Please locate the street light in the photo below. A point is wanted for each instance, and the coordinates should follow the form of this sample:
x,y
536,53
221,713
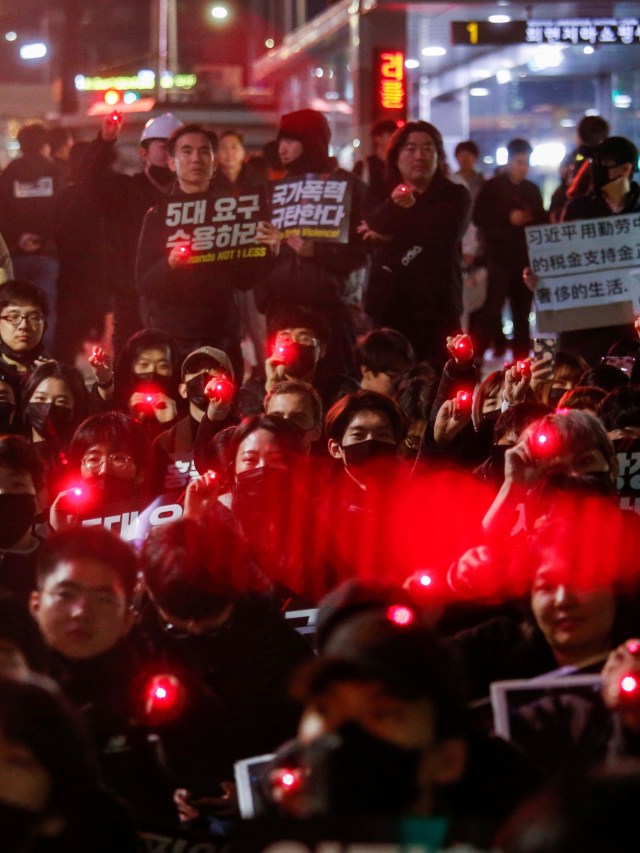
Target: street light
x,y
37,50
219,12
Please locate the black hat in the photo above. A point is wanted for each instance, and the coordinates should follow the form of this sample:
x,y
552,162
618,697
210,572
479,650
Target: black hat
x,y
619,149
310,128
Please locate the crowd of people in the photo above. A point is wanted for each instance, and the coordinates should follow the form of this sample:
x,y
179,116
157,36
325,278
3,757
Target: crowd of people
x,y
327,556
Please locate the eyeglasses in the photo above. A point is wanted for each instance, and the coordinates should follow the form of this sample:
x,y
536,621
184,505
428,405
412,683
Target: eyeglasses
x,y
118,461
285,339
33,319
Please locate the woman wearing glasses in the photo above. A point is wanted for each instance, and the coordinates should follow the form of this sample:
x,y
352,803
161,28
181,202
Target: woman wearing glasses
x,y
108,457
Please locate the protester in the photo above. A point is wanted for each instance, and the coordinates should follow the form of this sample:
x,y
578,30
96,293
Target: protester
x,y
24,310
415,285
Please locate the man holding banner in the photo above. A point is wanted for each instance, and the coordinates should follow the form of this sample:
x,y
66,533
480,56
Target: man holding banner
x,y
197,247
317,209
585,269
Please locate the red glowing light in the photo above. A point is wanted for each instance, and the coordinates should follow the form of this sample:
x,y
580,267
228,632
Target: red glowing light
x,y
220,389
164,698
633,647
77,492
161,693
425,580
399,614
629,684
288,779
542,439
149,398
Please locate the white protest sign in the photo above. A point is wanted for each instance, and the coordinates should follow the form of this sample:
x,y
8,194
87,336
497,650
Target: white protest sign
x,y
589,271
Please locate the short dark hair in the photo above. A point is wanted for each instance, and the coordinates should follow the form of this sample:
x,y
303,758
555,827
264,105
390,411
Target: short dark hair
x,y
620,408
57,137
23,292
518,146
387,125
298,317
467,145
18,454
399,139
385,349
172,141
346,408
303,389
286,433
193,571
582,397
604,376
115,430
235,133
517,418
70,376
592,130
93,543
32,138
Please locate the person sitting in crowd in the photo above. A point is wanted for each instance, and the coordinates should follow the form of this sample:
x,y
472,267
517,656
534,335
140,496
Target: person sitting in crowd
x,y
229,649
108,457
51,794
83,607
22,499
24,309
9,400
382,357
146,381
207,385
54,402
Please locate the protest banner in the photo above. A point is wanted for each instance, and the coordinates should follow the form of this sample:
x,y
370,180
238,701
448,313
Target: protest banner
x,y
312,206
589,272
210,229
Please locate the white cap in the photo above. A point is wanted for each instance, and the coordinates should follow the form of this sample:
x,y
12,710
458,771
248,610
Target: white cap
x,y
161,127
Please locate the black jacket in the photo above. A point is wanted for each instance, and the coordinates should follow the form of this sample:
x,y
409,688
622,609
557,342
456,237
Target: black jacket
x,y
506,243
418,273
27,199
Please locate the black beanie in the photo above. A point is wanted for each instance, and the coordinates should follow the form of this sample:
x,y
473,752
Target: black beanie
x,y
311,129
621,150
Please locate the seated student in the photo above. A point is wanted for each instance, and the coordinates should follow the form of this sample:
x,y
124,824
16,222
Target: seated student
x,y
173,450
83,607
415,394
295,400
108,457
51,796
365,432
22,498
24,309
576,573
298,339
146,380
54,402
384,733
381,357
228,646
268,498
9,400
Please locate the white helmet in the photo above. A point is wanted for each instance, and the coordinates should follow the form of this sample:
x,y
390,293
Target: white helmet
x,y
160,128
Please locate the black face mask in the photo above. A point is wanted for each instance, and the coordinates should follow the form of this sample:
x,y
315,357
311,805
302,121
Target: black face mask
x,y
109,489
259,495
17,513
301,360
150,377
48,420
195,390
600,174
359,764
371,459
161,175
18,827
7,411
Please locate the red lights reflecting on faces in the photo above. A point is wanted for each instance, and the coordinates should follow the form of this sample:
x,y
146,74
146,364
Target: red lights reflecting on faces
x,y
399,614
